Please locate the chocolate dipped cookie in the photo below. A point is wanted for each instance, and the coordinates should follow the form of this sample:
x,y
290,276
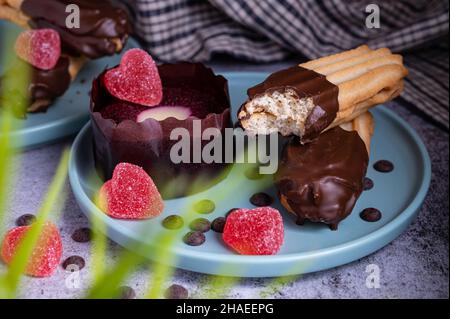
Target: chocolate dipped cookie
x,y
307,99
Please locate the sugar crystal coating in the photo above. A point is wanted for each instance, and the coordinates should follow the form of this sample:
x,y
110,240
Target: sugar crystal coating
x,y
136,79
41,48
45,256
130,194
257,231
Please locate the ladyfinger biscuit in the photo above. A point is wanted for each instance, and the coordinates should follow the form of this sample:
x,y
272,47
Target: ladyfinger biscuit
x,y
343,64
336,57
351,72
369,84
15,4
308,99
385,95
363,125
12,15
322,180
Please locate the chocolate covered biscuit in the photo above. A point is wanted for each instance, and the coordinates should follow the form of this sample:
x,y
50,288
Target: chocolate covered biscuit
x,y
103,28
44,86
308,99
322,180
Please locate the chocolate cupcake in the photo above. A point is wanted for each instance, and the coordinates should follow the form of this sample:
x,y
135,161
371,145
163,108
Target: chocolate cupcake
x,y
121,134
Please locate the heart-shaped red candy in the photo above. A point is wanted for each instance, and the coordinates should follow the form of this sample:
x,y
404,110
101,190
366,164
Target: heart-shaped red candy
x,y
257,231
45,256
136,79
130,194
41,48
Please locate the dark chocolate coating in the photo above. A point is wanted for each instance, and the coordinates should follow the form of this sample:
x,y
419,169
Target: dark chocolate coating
x,y
306,83
51,83
101,23
323,179
148,143
43,84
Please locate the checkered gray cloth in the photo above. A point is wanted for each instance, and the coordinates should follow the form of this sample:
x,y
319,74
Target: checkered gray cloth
x,y
270,30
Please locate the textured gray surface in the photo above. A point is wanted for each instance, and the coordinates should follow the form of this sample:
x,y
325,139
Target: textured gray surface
x,y
415,265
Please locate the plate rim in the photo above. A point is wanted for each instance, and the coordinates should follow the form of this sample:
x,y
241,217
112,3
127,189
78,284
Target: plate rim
x,y
393,227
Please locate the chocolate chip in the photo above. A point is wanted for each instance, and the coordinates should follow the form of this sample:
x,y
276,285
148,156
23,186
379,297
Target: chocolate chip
x,y
25,220
261,199
253,173
173,222
200,224
230,211
176,292
126,292
370,215
218,224
194,238
368,184
74,260
82,235
205,206
383,166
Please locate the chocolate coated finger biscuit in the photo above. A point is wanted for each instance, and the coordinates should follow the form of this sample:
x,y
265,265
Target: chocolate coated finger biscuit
x,y
312,97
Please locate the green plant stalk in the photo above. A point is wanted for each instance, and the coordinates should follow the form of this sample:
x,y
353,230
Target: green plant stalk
x,y
161,272
13,89
107,285
166,240
5,162
276,284
219,286
99,246
20,260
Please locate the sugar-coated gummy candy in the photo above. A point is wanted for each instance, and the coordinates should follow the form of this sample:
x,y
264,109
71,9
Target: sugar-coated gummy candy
x,y
41,48
45,256
136,79
256,231
130,194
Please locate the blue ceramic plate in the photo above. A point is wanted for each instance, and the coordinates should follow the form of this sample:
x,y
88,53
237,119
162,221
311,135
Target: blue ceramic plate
x,y
69,113
308,248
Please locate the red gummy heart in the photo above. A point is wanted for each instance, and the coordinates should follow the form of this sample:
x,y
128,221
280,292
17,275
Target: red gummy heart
x,y
46,255
136,79
130,194
257,231
41,48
